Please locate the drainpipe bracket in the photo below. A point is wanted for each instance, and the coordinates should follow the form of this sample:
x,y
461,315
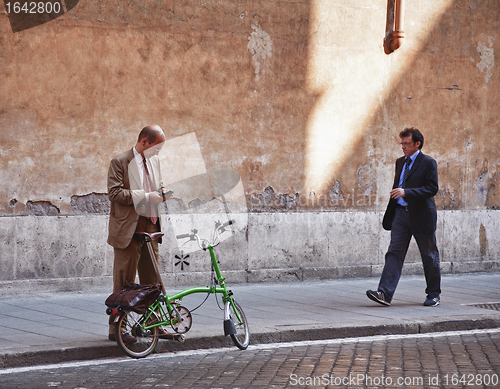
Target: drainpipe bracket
x,y
393,41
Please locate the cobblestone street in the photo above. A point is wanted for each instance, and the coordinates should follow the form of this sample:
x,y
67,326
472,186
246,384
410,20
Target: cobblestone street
x,y
446,360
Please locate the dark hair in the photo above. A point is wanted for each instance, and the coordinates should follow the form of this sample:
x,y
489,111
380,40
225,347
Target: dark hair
x,y
150,133
416,135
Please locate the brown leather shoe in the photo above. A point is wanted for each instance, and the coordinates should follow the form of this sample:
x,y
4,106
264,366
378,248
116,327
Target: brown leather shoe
x,y
163,334
126,337
167,335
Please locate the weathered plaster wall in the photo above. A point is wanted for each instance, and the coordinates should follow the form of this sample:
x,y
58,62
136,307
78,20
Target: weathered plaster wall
x,y
69,253
298,97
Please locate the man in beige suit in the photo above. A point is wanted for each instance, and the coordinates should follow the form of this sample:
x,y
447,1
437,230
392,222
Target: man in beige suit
x,y
134,183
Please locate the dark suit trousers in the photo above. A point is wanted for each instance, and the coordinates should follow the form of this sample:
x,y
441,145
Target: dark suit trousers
x,y
135,259
394,259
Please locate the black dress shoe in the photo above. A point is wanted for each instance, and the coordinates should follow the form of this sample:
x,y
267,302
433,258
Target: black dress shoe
x,y
431,302
378,297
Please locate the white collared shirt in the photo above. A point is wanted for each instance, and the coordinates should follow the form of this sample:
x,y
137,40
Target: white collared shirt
x,y
140,166
401,201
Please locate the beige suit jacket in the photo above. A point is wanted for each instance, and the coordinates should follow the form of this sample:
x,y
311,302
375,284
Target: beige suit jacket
x,y
125,190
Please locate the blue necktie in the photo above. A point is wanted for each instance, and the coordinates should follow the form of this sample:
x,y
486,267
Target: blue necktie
x,y
407,171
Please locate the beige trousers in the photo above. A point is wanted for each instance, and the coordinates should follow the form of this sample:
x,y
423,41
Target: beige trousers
x,y
134,259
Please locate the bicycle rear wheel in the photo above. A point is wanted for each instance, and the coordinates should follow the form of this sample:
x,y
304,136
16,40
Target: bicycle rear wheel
x,y
131,336
242,337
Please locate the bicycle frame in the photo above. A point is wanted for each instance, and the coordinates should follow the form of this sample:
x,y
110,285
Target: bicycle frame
x,y
144,329
174,300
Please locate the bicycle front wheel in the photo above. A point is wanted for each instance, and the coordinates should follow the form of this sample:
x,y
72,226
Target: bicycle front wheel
x,y
242,337
132,337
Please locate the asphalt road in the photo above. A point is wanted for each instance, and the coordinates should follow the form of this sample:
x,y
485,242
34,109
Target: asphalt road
x,y
467,359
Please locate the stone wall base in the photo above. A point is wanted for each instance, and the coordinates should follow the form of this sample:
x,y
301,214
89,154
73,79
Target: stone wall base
x,y
183,280
51,254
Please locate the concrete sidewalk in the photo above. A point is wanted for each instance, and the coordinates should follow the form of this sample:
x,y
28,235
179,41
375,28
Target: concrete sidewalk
x,y
60,327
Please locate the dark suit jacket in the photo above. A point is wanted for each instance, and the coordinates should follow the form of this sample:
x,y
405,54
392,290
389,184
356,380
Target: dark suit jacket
x,y
126,193
421,187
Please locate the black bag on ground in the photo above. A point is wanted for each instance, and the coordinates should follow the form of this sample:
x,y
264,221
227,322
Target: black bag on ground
x,y
134,297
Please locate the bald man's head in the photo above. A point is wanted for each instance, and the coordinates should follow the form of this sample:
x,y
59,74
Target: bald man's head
x,y
150,141
150,133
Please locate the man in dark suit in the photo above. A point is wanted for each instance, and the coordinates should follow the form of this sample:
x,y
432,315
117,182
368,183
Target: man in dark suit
x,y
411,212
134,182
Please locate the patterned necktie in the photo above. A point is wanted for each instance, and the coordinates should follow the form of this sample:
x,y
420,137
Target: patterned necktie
x,y
407,171
148,188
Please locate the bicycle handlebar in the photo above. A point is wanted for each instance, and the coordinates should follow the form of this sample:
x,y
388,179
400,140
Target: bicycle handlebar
x,y
228,223
219,228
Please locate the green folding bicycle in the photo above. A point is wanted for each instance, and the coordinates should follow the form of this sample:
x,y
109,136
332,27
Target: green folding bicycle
x,y
168,311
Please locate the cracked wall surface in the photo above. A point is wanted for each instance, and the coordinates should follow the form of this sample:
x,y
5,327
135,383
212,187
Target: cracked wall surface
x,y
76,91
298,98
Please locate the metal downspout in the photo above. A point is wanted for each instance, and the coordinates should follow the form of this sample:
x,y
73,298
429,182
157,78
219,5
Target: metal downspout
x,y
395,39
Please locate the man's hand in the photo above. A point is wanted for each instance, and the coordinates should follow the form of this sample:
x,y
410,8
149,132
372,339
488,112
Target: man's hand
x,y
396,193
155,198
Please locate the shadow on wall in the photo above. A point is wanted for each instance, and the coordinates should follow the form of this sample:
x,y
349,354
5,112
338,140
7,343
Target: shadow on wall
x,y
232,72
441,81
295,97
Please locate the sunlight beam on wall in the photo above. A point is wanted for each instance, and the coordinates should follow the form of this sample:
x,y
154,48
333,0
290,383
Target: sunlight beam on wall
x,y
352,76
